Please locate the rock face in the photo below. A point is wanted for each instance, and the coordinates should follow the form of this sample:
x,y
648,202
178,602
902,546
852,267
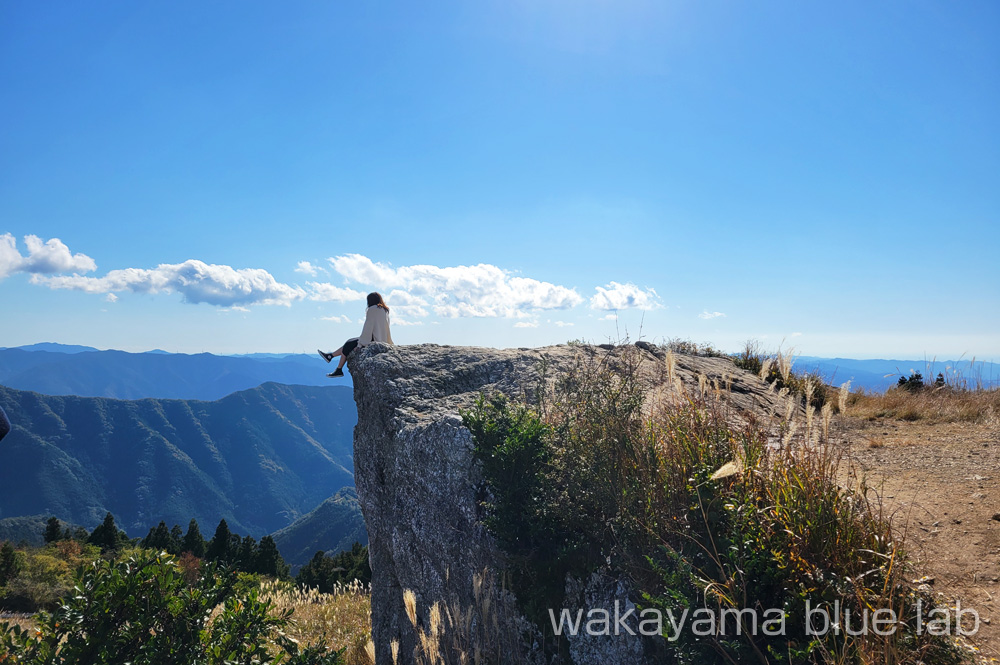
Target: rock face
x,y
417,478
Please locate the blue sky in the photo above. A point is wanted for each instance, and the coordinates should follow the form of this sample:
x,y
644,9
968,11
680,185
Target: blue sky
x,y
234,176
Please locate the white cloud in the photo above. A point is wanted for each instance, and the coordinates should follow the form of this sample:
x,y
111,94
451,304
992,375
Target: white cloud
x,y
396,321
308,268
326,292
526,324
111,297
711,315
562,324
196,281
796,334
44,257
624,296
336,319
609,317
10,258
407,304
481,290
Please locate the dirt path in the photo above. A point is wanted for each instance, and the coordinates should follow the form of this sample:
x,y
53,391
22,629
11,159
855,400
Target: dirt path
x,y
941,483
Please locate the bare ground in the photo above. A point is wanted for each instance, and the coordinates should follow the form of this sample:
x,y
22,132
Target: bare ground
x,y
941,484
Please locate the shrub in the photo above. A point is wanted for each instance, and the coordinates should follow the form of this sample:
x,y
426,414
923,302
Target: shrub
x,y
140,609
913,383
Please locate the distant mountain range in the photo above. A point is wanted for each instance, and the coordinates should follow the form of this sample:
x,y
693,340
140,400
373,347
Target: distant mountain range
x,y
260,458
55,369
878,375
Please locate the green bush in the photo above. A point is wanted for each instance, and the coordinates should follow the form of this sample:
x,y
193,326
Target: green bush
x,y
514,448
139,609
914,382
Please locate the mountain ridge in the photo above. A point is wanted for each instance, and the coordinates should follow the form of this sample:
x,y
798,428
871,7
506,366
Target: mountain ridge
x,y
260,458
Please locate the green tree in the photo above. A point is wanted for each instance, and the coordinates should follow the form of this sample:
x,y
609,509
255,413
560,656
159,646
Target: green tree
x,y
246,554
220,548
269,559
53,530
176,538
107,536
11,563
193,541
159,539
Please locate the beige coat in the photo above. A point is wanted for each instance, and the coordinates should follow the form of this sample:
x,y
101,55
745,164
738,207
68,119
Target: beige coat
x,y
376,327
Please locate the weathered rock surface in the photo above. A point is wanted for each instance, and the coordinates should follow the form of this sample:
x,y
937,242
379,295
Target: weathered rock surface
x,y
417,478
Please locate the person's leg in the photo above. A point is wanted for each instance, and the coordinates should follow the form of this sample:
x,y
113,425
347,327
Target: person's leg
x,y
330,356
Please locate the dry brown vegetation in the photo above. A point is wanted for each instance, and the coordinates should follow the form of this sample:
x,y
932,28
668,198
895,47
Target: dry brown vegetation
x,y
932,405
341,620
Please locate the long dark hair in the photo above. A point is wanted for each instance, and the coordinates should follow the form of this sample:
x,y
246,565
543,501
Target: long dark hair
x,y
375,298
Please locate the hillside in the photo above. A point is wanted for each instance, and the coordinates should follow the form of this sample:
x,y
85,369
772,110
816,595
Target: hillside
x,y
259,458
333,526
122,375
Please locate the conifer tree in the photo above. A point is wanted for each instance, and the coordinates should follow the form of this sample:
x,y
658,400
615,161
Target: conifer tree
x,y
269,559
53,530
193,541
220,547
10,564
246,558
158,539
176,538
106,535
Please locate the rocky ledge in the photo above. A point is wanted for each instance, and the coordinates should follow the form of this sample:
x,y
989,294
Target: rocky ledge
x,y
417,478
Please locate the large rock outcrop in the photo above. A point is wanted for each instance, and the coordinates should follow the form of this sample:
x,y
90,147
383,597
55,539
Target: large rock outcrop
x,y
417,478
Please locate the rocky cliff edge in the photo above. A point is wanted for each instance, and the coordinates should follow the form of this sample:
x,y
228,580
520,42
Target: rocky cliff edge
x,y
417,478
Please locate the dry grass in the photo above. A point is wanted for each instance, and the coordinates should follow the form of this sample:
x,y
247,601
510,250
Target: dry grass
x,y
484,634
26,621
932,405
341,620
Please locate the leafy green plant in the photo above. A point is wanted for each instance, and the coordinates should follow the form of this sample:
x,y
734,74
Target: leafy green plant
x,y
140,609
514,447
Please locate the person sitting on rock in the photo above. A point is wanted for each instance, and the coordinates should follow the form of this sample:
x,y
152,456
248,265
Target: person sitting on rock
x,y
376,329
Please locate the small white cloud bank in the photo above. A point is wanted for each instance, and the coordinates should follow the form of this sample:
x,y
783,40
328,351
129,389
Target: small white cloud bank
x,y
308,268
615,296
45,257
526,324
196,281
711,315
481,290
325,292
336,319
